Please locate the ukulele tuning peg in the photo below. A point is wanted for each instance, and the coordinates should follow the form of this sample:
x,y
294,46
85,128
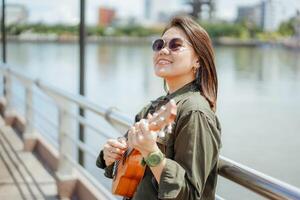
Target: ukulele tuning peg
x,y
161,134
169,128
163,108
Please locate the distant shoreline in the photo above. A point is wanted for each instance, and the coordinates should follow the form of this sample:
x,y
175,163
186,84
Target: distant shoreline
x,y
290,43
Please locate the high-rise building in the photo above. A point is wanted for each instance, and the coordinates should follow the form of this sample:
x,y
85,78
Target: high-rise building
x,y
160,10
106,16
263,15
148,9
268,15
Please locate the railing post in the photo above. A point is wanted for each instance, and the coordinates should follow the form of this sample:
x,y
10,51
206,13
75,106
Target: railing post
x,y
8,89
66,181
29,135
9,114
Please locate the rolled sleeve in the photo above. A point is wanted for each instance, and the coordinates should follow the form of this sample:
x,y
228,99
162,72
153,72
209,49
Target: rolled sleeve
x,y
196,150
171,180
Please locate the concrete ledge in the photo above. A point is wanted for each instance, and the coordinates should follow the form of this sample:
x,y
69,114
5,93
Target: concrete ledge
x,y
78,186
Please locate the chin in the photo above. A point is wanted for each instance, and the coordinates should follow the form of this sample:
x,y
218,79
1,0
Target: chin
x,y
162,71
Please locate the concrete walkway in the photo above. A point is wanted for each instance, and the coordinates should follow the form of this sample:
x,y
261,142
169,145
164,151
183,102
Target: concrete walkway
x,y
22,175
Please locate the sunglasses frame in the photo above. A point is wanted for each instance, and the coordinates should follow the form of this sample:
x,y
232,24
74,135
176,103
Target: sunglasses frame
x,y
167,43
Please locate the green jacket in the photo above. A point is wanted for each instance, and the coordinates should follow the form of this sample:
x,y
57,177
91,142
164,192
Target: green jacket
x,y
192,150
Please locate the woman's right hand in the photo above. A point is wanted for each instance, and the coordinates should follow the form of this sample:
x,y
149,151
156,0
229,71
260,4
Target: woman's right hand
x,y
113,150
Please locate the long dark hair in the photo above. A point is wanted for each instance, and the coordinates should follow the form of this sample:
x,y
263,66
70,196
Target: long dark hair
x,y
206,75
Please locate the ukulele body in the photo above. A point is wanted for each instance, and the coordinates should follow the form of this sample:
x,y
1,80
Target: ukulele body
x,y
128,175
129,171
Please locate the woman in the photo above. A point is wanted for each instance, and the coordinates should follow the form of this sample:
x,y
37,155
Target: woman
x,y
187,168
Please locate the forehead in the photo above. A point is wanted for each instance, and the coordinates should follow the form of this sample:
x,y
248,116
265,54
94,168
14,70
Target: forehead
x,y
174,32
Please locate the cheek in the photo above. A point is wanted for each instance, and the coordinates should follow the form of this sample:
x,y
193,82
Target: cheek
x,y
154,57
183,62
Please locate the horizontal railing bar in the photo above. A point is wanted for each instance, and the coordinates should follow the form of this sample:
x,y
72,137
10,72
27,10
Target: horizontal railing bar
x,y
44,118
16,101
256,181
101,188
40,114
18,106
25,79
45,133
82,146
111,115
48,136
83,121
219,198
108,113
38,94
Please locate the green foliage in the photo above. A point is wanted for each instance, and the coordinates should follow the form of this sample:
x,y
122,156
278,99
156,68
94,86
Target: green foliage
x,y
222,29
286,28
41,28
243,30
135,30
96,30
225,29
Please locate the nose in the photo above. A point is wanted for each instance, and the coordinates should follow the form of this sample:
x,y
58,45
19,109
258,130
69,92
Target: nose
x,y
164,51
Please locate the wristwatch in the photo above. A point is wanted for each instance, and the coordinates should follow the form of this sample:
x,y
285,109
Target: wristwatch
x,y
154,158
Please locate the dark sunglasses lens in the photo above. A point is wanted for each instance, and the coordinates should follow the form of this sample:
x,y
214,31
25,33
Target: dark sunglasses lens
x,y
158,45
175,44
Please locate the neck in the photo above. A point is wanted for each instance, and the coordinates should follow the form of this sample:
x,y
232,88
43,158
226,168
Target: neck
x,y
175,83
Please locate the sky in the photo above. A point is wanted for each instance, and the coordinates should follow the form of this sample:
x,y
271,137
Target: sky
x,y
67,11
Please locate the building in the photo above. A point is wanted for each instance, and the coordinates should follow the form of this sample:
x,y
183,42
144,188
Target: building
x,y
269,21
157,11
263,15
250,14
296,24
15,14
148,7
106,16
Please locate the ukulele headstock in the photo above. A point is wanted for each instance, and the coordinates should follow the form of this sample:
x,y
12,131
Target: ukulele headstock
x,y
163,117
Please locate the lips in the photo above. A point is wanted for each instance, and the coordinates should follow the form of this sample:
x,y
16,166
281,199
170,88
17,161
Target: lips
x,y
163,61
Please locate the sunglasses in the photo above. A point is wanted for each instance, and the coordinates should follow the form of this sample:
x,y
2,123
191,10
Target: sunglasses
x,y
174,44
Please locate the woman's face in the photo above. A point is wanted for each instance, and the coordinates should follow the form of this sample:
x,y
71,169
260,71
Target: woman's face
x,y
170,64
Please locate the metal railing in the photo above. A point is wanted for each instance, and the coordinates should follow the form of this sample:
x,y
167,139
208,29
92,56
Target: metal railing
x,y
257,182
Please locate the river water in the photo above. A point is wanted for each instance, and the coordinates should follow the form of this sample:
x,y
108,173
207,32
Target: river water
x,y
258,102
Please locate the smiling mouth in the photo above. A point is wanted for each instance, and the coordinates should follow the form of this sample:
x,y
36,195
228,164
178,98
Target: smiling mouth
x,y
163,62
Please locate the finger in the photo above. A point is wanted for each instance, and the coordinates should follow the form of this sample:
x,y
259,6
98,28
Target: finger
x,y
109,160
152,135
144,127
134,139
123,140
117,151
149,116
114,157
129,141
115,143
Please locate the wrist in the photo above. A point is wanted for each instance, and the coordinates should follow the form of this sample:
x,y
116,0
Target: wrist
x,y
153,159
145,153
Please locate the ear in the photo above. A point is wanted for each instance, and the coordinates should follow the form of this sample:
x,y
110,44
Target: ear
x,y
197,62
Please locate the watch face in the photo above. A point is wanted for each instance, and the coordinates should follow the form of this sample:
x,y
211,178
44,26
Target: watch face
x,y
154,159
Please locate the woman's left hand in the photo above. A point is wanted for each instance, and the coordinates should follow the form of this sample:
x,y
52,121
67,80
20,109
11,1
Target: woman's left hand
x,y
142,139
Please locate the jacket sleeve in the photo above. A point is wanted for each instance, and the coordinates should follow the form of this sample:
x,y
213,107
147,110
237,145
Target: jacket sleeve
x,y
100,162
196,151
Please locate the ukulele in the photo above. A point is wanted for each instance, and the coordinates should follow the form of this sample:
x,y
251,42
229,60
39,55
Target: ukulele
x,y
129,170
